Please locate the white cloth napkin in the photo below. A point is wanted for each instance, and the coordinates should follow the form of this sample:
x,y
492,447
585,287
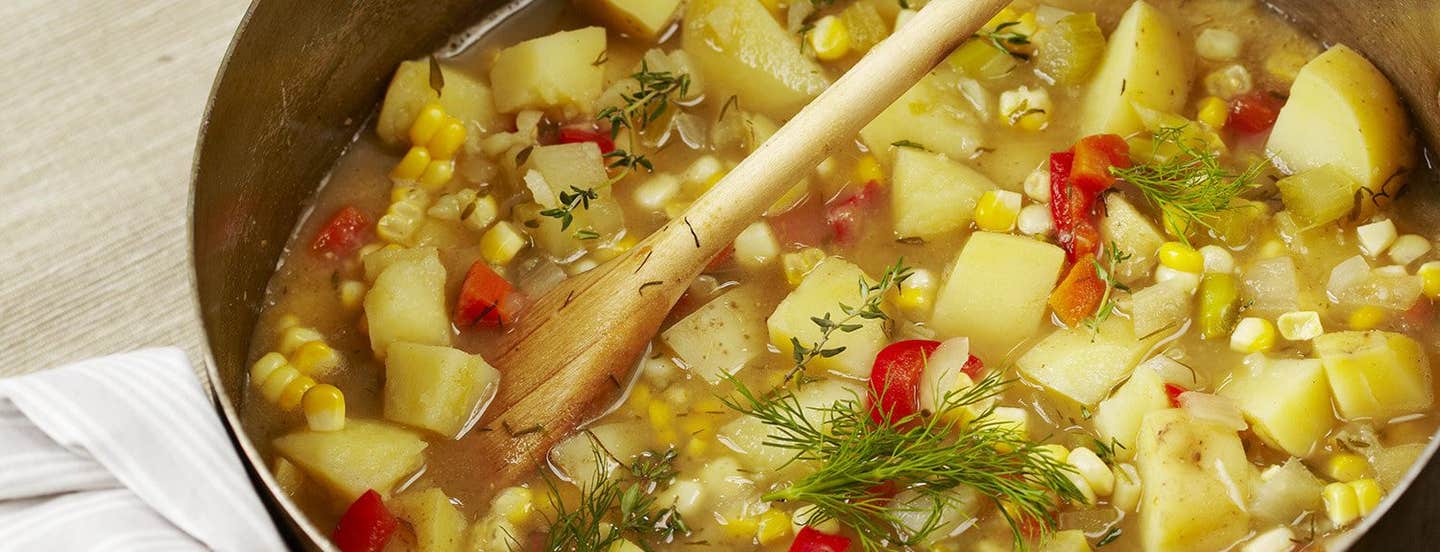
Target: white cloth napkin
x,y
122,453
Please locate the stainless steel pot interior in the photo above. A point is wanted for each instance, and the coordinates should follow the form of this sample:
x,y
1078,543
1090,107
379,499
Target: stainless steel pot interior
x,y
302,76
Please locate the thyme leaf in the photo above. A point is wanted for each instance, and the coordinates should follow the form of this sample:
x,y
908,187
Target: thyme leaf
x,y
871,298
1002,40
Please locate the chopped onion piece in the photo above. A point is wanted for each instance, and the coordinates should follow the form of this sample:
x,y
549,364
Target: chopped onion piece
x,y
1213,408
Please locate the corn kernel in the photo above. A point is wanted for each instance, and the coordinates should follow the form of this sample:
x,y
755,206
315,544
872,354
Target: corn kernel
x,y
1218,260
1016,418
1279,539
581,265
1272,249
501,243
1181,257
917,293
427,122
1376,237
800,263
743,527
997,210
437,174
1213,112
613,248
481,213
1020,104
657,192
277,382
1229,81
696,447
352,294
1408,248
660,414
515,503
702,173
1217,45
1034,220
1341,504
447,140
1253,335
404,216
1430,275
1346,467
315,358
293,337
266,365
1093,469
1188,281
756,246
1127,488
324,407
1300,325
867,169
1367,317
289,320
640,397
830,39
412,165
290,397
772,526
1367,494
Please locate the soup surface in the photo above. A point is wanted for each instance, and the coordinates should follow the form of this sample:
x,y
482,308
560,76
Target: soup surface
x,y
1131,276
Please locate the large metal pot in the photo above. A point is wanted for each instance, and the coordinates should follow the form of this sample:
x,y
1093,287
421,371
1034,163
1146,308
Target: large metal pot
x,y
302,76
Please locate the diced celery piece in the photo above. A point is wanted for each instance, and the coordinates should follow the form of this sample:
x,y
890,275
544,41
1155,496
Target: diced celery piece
x,y
1070,49
1318,196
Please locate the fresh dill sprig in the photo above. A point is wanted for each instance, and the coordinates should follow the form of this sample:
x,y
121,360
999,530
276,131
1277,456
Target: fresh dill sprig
x,y
658,91
1189,184
927,453
616,507
1114,256
871,298
1001,39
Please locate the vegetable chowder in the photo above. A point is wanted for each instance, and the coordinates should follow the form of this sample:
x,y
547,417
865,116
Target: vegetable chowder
x,y
1132,276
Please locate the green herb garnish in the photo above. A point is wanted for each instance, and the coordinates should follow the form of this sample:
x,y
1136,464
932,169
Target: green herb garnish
x,y
1114,256
1189,184
909,144
1002,39
872,295
1109,537
617,506
925,453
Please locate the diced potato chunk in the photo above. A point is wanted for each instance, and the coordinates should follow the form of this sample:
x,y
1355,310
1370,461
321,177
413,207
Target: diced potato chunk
x,y
1072,540
1197,483
1146,62
556,72
740,49
438,524
1081,364
576,457
720,337
437,388
1286,401
1375,374
407,303
578,165
1117,419
925,115
996,292
463,97
643,19
833,282
1131,232
1343,111
1162,306
365,455
746,435
932,194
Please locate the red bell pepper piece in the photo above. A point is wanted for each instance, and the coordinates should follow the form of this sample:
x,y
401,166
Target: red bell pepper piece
x,y
345,233
972,367
366,525
1254,112
811,540
802,226
486,299
1173,392
845,217
1079,294
574,134
1094,155
895,379
1070,209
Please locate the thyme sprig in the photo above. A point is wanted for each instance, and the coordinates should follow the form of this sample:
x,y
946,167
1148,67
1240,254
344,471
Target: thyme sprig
x,y
616,507
929,454
872,296
1190,184
1114,256
658,92
1001,39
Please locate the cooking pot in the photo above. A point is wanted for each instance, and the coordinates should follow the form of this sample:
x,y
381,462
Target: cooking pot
x,y
301,78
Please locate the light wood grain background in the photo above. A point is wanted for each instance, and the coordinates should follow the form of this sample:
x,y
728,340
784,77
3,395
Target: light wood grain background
x,y
100,102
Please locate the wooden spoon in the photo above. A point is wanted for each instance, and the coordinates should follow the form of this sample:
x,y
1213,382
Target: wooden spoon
x,y
565,358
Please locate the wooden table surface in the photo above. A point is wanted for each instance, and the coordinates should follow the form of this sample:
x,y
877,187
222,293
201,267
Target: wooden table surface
x,y
101,105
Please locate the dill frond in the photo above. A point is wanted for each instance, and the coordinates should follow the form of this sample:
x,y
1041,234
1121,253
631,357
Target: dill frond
x,y
616,506
1189,184
926,453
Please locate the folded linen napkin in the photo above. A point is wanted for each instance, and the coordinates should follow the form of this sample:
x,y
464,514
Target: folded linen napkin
x,y
122,453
